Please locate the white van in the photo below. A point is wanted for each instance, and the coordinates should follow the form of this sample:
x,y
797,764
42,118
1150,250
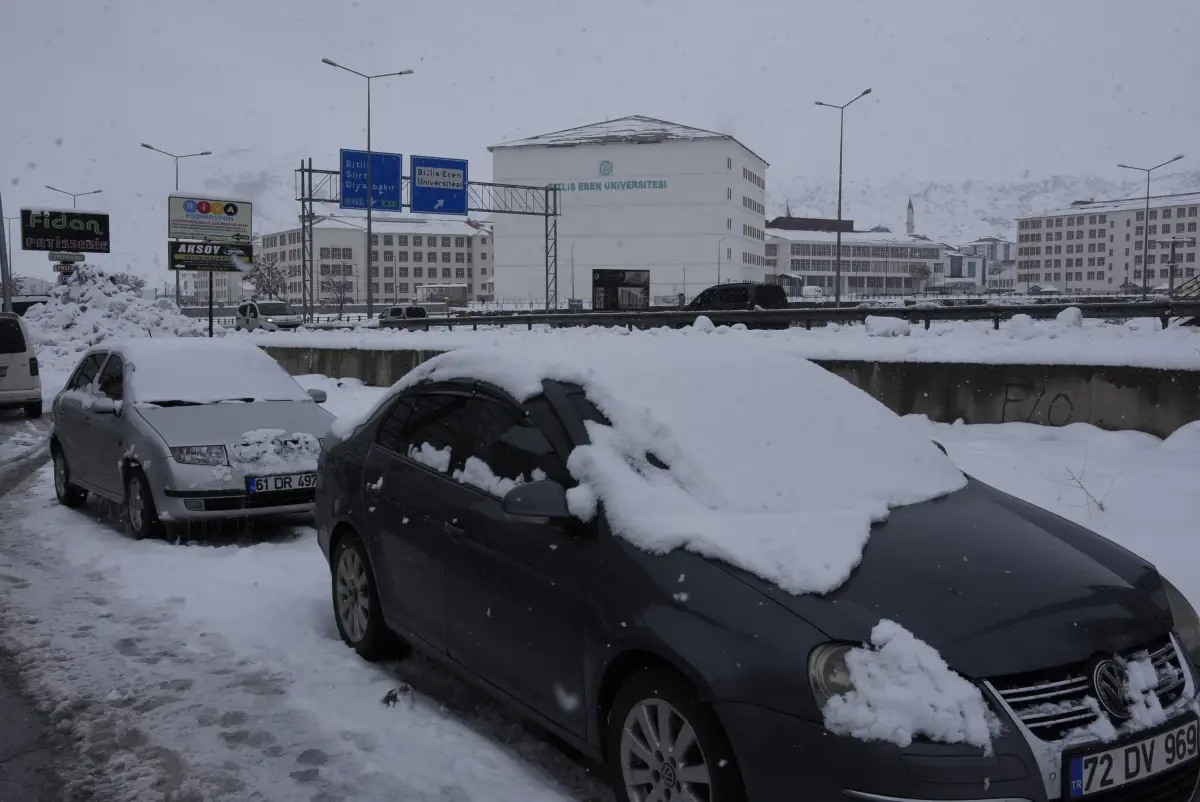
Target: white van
x,y
20,384
266,315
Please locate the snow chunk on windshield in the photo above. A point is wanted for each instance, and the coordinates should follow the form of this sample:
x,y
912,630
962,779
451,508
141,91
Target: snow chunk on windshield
x,y
203,371
730,445
903,689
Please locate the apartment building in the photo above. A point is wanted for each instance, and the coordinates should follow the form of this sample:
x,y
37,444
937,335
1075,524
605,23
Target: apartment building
x,y
412,260
1000,262
1109,246
873,263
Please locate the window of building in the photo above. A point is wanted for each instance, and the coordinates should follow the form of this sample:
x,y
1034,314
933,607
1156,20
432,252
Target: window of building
x,y
1166,214
324,253
445,256
402,272
460,242
388,271
431,257
374,240
388,256
389,288
418,256
418,271
445,242
460,257
402,256
460,272
402,288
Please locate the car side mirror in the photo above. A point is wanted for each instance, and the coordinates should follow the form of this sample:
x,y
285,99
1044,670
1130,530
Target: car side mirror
x,y
544,500
320,396
104,406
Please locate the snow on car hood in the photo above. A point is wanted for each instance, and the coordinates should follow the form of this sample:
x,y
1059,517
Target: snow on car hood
x,y
275,451
229,424
775,465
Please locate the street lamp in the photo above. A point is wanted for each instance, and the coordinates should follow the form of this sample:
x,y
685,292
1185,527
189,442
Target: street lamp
x,y
722,239
837,264
370,184
1146,222
75,195
8,223
177,158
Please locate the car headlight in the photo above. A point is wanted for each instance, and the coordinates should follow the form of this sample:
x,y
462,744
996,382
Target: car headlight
x,y
1187,623
828,673
200,455
270,320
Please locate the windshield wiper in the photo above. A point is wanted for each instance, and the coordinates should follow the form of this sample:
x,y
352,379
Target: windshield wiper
x,y
174,403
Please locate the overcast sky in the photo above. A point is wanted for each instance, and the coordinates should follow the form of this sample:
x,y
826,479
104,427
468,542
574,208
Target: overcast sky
x,y
962,89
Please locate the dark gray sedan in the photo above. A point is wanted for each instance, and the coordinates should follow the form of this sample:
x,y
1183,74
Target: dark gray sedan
x,y
445,520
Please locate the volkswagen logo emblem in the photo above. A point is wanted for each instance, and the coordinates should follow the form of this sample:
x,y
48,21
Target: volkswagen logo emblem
x,y
606,167
1108,682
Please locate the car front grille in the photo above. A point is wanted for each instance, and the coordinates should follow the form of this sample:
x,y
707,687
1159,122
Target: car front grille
x,y
1052,703
1175,785
283,498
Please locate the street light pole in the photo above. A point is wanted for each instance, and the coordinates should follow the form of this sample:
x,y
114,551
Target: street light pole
x,y
722,239
572,271
8,225
1146,222
837,263
370,181
177,158
75,195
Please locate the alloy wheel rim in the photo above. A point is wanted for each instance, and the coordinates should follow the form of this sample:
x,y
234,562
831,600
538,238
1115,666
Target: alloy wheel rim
x,y
60,478
661,760
135,504
353,601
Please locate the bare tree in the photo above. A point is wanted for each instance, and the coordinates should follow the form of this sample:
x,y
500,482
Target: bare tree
x,y
920,274
128,282
339,293
268,278
18,285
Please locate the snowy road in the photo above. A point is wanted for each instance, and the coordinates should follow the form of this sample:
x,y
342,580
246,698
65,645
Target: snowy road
x,y
22,446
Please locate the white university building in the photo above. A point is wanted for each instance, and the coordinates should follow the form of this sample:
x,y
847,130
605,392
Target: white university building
x,y
686,204
1104,246
415,260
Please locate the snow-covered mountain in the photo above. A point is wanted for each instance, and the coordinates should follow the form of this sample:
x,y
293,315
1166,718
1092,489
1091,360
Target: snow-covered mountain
x,y
958,213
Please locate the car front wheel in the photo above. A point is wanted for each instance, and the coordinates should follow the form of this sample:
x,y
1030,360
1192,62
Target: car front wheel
x,y
68,494
663,743
139,506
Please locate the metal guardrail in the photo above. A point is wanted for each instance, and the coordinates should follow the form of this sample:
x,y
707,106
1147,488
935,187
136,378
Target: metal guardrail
x,y
1164,310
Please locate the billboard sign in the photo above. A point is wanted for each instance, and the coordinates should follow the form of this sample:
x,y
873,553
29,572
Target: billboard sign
x,y
212,257
205,218
63,256
439,186
78,232
614,290
386,169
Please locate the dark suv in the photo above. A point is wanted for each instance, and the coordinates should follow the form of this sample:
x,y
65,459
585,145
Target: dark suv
x,y
745,295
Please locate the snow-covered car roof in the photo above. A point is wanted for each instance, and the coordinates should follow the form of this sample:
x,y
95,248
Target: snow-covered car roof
x,y
201,369
789,498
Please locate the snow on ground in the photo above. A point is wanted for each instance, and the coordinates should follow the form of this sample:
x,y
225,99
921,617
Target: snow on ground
x,y
19,436
1141,342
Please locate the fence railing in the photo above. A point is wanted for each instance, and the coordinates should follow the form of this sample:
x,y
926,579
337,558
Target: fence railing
x,y
1123,310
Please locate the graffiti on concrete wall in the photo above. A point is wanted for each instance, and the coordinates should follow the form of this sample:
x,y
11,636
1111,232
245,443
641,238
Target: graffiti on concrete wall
x,y
1029,403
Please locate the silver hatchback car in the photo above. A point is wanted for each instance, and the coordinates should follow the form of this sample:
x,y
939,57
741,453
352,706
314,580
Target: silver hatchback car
x,y
186,429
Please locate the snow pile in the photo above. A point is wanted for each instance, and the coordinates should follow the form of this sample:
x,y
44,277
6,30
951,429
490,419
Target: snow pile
x,y
1070,317
904,690
878,326
95,307
790,499
1141,680
276,451
474,472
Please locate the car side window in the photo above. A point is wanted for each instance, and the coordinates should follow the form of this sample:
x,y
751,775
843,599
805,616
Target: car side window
x,y
112,378
86,371
507,449
252,311
242,310
733,295
425,427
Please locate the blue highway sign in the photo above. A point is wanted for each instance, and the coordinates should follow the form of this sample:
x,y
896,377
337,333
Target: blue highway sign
x,y
438,186
386,171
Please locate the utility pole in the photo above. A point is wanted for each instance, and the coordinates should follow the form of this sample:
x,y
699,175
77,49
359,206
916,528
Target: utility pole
x,y
5,267
1146,221
177,158
837,264
721,240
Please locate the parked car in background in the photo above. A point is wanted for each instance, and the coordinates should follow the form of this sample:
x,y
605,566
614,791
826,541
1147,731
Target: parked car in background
x,y
186,429
267,316
393,314
662,604
20,379
743,295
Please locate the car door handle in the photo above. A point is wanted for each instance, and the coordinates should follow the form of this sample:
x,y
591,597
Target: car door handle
x,y
455,532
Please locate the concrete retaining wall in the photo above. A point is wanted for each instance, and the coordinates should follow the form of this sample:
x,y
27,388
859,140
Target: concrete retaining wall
x,y
1143,399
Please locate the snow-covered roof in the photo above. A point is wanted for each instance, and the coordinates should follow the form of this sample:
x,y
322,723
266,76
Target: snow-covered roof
x,y
739,487
1121,205
853,238
633,129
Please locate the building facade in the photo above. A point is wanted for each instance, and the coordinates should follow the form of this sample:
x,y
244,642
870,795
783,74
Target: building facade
x,y
413,261
1109,246
1000,262
873,263
685,204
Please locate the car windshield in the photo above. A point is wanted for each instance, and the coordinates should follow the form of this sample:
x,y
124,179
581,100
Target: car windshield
x,y
202,371
275,309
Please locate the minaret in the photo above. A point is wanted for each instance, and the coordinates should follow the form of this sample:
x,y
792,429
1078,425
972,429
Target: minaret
x,y
787,208
910,222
